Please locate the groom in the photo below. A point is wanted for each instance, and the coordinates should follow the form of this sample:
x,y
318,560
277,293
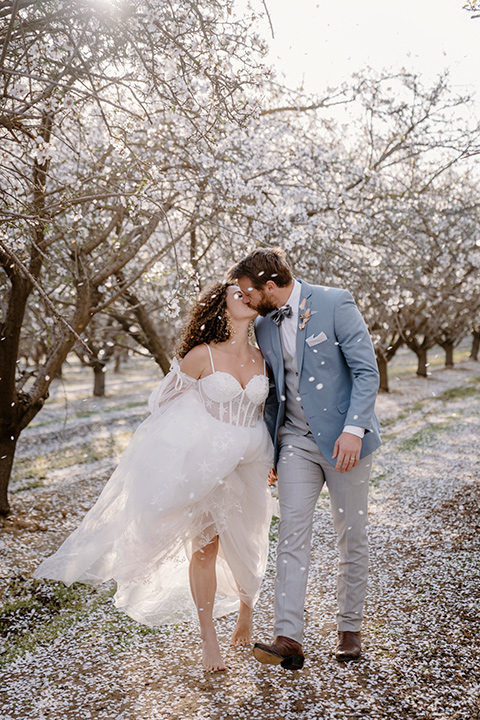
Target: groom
x,y
320,413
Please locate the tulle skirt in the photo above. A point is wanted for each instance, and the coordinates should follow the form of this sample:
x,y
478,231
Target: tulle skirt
x,y
184,478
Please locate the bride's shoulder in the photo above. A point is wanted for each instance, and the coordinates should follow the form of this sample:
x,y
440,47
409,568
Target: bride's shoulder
x,y
195,362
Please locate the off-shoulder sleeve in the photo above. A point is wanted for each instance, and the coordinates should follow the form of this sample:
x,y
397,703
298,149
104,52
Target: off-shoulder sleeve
x,y
174,384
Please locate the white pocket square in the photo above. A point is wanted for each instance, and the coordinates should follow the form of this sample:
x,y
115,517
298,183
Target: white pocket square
x,y
316,339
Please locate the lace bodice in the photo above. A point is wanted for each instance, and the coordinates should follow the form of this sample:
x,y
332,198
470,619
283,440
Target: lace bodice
x,y
221,394
228,401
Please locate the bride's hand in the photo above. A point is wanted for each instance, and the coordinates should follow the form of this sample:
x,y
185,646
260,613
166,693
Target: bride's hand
x,y
272,477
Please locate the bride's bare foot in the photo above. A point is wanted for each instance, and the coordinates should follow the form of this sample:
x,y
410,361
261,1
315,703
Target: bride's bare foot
x,y
211,656
242,634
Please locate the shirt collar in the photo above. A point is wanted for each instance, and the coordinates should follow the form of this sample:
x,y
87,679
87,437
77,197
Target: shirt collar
x,y
294,299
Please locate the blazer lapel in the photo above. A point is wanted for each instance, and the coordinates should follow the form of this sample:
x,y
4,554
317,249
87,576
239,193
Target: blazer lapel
x,y
268,337
278,354
305,301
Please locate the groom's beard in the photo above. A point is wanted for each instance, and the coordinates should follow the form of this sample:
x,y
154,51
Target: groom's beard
x,y
265,306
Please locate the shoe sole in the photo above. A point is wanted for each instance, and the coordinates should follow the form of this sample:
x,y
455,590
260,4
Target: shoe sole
x,y
291,662
350,658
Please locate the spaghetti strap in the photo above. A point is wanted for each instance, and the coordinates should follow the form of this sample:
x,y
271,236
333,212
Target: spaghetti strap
x,y
264,366
211,358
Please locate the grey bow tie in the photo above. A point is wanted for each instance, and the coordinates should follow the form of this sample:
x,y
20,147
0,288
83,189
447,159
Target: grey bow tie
x,y
280,313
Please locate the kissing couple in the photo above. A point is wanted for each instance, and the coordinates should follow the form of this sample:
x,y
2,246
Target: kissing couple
x,y
182,524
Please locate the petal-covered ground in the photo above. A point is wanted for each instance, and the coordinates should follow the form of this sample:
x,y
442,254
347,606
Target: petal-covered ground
x,y
68,654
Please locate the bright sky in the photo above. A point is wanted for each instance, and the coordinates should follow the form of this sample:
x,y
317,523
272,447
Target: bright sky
x,y
324,41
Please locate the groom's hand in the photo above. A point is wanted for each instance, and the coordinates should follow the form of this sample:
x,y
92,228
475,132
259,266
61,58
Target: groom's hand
x,y
272,477
347,451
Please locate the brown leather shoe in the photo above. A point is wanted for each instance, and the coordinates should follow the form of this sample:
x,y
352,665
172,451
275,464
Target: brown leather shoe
x,y
284,651
349,645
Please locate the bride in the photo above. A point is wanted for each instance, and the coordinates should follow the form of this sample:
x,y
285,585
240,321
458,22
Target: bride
x,y
182,524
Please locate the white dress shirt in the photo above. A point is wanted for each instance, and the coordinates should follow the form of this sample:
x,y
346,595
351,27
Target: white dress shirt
x,y
288,332
288,328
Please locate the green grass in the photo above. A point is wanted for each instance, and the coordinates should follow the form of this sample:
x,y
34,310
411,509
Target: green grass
x,y
469,389
29,485
405,363
273,534
120,406
461,392
376,479
406,413
36,612
421,437
31,470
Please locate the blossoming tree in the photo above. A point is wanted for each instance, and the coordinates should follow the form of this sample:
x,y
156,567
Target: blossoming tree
x,y
79,201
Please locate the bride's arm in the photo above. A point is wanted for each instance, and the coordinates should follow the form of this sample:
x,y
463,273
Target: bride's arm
x,y
182,376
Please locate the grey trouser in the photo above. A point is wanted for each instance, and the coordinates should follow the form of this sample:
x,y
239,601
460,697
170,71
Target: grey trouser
x,y
302,471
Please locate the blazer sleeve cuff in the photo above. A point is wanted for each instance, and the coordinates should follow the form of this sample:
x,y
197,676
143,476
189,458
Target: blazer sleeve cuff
x,y
354,430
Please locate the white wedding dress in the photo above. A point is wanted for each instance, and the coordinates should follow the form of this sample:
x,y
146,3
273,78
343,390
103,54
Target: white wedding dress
x,y
196,467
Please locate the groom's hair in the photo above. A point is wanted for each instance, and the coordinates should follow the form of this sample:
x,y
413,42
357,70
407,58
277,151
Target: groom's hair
x,y
261,265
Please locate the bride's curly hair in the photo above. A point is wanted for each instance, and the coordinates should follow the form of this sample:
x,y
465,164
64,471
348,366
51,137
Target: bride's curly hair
x,y
207,321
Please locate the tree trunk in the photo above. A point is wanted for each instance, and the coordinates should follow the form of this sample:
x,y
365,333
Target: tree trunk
x,y
17,410
448,347
118,363
98,378
10,411
475,345
383,370
150,338
421,354
121,357
7,453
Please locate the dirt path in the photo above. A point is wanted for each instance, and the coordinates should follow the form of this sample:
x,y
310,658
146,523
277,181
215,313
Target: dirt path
x,y
70,655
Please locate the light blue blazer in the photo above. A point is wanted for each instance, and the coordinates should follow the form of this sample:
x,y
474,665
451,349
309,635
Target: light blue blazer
x,y
337,369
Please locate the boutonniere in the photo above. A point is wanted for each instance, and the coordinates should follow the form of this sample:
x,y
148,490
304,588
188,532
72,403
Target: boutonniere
x,y
304,315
